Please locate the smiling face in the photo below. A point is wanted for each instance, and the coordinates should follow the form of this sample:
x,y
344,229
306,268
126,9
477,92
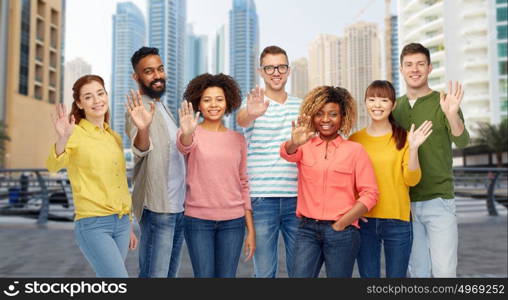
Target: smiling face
x,y
327,121
277,80
151,77
93,99
379,108
212,104
416,69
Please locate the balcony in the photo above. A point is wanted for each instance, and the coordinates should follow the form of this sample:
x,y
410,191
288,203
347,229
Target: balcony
x,y
475,63
416,34
474,29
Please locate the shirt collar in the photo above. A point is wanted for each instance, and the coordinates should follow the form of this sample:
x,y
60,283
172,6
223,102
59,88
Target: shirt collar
x,y
91,127
317,141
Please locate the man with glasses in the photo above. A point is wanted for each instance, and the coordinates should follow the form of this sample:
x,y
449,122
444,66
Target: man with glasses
x,y
266,116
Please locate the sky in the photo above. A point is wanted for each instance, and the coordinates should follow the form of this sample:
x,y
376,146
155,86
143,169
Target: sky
x,y
291,24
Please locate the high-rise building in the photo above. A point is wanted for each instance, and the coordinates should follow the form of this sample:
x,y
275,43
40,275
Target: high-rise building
x,y
196,55
220,51
74,69
167,22
500,23
391,47
461,37
32,77
129,34
4,39
244,47
324,61
300,77
362,64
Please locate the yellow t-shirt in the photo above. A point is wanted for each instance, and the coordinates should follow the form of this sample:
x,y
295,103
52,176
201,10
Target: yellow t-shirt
x,y
96,168
392,175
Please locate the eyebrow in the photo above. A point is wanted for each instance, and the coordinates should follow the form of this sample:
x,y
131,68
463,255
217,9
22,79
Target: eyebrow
x,y
151,68
90,93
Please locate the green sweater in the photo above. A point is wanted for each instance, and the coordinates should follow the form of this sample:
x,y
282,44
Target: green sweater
x,y
435,154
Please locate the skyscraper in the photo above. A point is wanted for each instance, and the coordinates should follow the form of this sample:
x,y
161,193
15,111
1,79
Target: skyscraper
x,y
74,69
129,34
461,37
167,22
244,47
324,61
196,55
220,59
31,35
362,63
391,47
300,77
500,23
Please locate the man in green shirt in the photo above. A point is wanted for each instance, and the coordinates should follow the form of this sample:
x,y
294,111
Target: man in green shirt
x,y
435,235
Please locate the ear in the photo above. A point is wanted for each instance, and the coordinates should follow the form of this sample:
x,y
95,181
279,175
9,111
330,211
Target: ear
x,y
78,105
430,68
258,70
135,76
394,105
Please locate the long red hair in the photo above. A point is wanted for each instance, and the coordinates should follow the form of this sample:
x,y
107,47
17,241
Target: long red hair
x,y
76,89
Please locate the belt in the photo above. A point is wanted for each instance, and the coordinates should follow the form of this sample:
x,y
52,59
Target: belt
x,y
318,221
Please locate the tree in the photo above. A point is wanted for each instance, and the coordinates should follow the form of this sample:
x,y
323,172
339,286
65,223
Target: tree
x,y
3,138
495,137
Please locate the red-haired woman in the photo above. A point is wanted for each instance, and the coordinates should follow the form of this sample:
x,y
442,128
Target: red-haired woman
x,y
93,155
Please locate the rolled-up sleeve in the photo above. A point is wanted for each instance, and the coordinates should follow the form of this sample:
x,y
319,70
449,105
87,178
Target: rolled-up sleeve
x,y
131,132
54,162
295,157
365,180
411,177
181,147
244,178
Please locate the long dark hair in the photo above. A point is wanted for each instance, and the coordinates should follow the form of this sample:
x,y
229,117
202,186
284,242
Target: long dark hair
x,y
76,92
384,89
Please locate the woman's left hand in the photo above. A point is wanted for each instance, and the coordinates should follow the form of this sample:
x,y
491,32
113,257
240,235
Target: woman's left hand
x,y
418,136
250,245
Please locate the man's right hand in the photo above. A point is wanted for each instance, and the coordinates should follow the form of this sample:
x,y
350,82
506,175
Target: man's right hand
x,y
256,103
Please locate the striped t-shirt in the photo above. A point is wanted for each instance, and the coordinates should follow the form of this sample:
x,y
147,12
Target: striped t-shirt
x,y
269,174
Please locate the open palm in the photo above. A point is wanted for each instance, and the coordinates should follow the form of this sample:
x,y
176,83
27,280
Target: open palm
x,y
64,126
301,131
188,121
418,136
137,111
450,103
256,104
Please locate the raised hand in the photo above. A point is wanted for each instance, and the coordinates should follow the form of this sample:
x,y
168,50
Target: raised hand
x,y
418,136
188,121
64,126
450,102
301,131
139,115
256,103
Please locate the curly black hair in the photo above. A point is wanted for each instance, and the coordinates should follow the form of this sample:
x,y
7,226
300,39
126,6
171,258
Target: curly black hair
x,y
141,53
199,84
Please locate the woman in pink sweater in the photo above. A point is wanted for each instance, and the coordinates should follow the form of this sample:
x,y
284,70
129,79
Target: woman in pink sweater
x,y
217,203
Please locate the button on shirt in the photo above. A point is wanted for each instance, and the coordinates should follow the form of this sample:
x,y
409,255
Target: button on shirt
x,y
96,168
331,179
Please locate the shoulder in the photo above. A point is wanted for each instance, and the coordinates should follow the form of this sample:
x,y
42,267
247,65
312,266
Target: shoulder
x,y
355,137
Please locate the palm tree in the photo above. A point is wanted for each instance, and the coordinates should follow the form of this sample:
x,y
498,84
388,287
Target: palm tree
x,y
495,137
3,137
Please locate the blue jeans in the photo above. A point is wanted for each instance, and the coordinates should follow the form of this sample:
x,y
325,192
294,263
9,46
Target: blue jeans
x,y
435,242
317,242
396,236
104,241
272,215
214,246
160,244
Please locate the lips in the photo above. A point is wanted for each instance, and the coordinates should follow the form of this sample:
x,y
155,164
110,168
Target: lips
x,y
214,112
98,107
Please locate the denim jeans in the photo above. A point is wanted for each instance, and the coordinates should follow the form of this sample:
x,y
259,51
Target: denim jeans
x,y
317,242
396,236
435,241
271,216
160,244
104,241
214,246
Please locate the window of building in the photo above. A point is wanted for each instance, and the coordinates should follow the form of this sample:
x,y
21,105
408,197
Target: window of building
x,y
503,67
502,14
24,48
501,1
501,49
502,32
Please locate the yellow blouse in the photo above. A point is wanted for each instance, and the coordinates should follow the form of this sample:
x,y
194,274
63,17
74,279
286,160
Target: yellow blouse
x,y
96,168
392,174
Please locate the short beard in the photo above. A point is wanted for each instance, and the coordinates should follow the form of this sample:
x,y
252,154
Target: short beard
x,y
147,90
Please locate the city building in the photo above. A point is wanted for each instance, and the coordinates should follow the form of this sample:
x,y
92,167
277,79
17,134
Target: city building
x,y
324,61
74,69
391,47
220,51
31,33
299,77
167,20
243,48
129,34
498,57
196,55
462,37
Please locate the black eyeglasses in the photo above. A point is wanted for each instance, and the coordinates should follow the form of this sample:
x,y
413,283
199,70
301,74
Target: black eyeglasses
x,y
283,69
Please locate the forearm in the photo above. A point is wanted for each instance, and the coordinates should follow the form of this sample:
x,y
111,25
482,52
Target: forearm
x,y
456,124
249,222
186,139
291,147
60,145
413,163
243,119
356,212
142,140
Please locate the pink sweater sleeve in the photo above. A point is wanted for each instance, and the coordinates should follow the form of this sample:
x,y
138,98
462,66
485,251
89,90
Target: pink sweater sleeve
x,y
181,147
365,178
244,178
